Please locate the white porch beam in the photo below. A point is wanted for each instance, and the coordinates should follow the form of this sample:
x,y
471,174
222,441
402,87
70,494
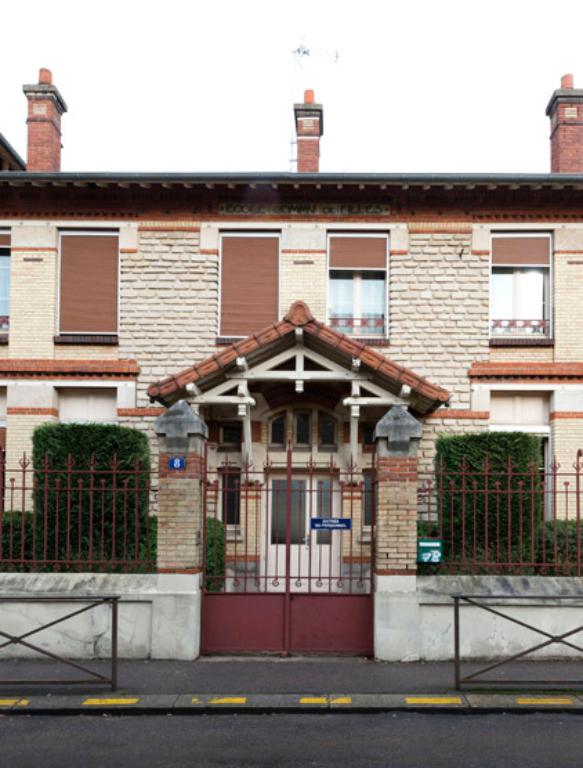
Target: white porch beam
x,y
247,446
210,399
294,375
354,416
368,401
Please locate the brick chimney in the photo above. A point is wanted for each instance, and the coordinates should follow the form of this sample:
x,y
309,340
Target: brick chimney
x,y
566,112
309,127
45,107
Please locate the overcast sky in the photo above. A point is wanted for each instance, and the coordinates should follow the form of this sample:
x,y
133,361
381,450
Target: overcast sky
x,y
208,85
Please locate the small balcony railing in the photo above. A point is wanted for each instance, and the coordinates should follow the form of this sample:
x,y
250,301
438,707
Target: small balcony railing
x,y
538,328
359,326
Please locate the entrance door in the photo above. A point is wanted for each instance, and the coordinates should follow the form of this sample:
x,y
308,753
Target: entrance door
x,y
273,584
313,558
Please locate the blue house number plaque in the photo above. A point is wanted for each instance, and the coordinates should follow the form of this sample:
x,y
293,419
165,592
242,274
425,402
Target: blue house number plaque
x,y
177,463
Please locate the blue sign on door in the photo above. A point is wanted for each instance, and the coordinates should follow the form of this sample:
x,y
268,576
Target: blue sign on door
x,y
177,462
330,523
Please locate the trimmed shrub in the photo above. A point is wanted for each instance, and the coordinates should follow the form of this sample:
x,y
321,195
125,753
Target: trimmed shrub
x,y
489,491
91,494
16,541
215,555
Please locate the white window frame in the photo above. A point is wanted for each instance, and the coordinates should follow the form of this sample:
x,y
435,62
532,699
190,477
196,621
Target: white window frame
x,y
246,233
357,279
523,267
8,232
88,233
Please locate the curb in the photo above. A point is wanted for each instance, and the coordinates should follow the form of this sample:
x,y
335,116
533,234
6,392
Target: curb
x,y
207,704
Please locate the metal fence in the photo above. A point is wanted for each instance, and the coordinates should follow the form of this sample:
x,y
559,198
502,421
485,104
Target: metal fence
x,y
505,521
76,517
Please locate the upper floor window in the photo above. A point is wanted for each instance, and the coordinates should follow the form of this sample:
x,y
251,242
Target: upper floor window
x,y
249,283
88,296
358,284
4,281
520,286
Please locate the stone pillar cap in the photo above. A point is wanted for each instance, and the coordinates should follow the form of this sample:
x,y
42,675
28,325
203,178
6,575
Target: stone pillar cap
x,y
180,422
399,428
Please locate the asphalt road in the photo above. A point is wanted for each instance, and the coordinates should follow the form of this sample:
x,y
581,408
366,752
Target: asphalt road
x,y
281,741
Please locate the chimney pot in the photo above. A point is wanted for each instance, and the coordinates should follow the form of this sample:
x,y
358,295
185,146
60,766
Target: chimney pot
x,y
309,129
45,76
565,110
567,82
45,107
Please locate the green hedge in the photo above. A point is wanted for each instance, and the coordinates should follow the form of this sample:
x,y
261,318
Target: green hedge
x,y
215,555
107,525
489,485
18,547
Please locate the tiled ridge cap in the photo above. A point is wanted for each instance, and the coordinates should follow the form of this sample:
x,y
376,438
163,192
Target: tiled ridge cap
x,y
532,369
298,316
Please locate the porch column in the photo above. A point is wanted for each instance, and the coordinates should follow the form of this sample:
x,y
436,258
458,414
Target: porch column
x,y
397,437
182,436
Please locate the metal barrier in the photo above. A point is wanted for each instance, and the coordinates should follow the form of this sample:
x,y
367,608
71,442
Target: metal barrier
x,y
94,601
551,639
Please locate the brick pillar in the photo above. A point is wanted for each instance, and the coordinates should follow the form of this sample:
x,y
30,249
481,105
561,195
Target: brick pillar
x,y
396,616
182,435
397,438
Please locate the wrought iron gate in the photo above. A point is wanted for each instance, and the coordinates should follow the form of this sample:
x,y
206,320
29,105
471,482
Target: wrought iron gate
x,y
288,558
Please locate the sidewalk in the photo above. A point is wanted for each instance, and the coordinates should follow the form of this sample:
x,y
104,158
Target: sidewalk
x,y
294,684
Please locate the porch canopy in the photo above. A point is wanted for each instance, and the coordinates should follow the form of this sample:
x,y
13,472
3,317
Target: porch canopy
x,y
300,357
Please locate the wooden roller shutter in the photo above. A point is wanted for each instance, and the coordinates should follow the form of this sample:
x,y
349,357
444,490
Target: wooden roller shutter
x,y
358,252
521,251
89,265
4,240
249,284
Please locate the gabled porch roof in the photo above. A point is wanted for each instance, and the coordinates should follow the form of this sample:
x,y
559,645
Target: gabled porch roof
x,y
336,347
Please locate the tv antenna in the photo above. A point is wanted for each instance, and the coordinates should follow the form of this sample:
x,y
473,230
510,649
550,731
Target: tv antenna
x,y
300,53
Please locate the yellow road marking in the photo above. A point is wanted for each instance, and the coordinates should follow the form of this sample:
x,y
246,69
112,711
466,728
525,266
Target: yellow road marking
x,y
314,700
14,702
341,700
195,700
229,700
108,702
557,700
433,700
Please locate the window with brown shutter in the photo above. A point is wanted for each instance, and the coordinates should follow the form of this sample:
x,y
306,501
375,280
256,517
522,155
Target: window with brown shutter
x,y
249,283
89,283
357,292
520,295
358,252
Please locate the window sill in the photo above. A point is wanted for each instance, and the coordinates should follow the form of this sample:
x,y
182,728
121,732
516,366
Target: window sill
x,y
370,341
98,339
517,341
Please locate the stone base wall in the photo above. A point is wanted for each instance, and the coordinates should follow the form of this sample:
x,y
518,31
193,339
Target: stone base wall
x,y
159,615
414,617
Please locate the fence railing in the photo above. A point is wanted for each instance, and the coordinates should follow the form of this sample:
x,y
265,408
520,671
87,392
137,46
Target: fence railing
x,y
505,521
76,517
